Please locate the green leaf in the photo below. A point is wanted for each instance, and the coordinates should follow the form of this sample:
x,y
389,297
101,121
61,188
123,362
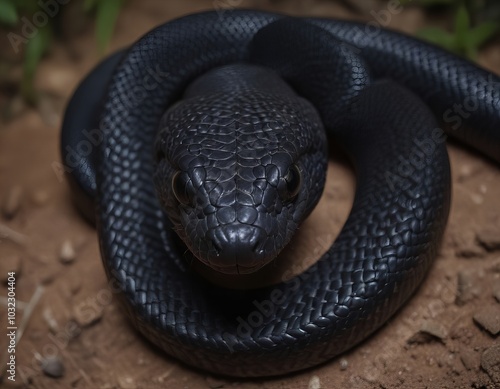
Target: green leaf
x,y
27,6
482,33
8,13
462,26
107,13
35,48
438,36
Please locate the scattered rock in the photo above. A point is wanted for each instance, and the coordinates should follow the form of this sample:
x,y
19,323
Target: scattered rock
x,y
430,331
126,383
490,362
470,251
314,383
435,329
53,367
464,172
470,359
10,264
489,237
215,383
468,288
12,202
344,364
67,253
489,319
466,246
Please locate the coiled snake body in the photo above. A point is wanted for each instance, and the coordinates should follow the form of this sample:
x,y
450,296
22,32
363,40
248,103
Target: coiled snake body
x,y
224,134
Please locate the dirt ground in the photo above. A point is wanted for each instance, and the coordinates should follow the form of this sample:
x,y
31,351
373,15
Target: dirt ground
x,y
445,337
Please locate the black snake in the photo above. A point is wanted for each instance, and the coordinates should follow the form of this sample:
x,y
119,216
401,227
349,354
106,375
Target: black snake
x,y
218,120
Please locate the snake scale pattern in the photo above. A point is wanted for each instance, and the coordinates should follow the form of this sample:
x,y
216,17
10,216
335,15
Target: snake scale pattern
x,y
226,150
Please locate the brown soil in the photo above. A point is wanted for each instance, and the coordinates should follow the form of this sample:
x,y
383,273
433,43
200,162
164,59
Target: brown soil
x,y
445,337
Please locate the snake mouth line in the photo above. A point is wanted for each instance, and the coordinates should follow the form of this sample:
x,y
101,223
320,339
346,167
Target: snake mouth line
x,y
235,269
237,249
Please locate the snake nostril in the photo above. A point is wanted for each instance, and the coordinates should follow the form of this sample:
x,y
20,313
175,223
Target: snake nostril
x,y
257,247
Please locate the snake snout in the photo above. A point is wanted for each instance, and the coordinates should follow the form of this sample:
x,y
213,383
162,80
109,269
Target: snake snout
x,y
238,249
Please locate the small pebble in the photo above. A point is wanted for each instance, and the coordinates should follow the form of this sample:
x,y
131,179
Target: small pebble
x,y
470,359
67,253
464,172
126,383
489,319
465,245
314,383
490,362
489,237
477,198
12,202
434,329
470,251
429,331
53,367
468,288
344,364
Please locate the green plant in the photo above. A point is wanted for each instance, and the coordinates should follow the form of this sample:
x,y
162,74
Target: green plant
x,y
35,45
106,15
474,23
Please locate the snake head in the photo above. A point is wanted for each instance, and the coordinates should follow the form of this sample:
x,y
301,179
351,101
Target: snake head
x,y
237,171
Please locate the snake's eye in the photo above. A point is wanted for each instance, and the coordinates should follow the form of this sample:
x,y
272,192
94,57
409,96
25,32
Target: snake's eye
x,y
180,182
293,181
